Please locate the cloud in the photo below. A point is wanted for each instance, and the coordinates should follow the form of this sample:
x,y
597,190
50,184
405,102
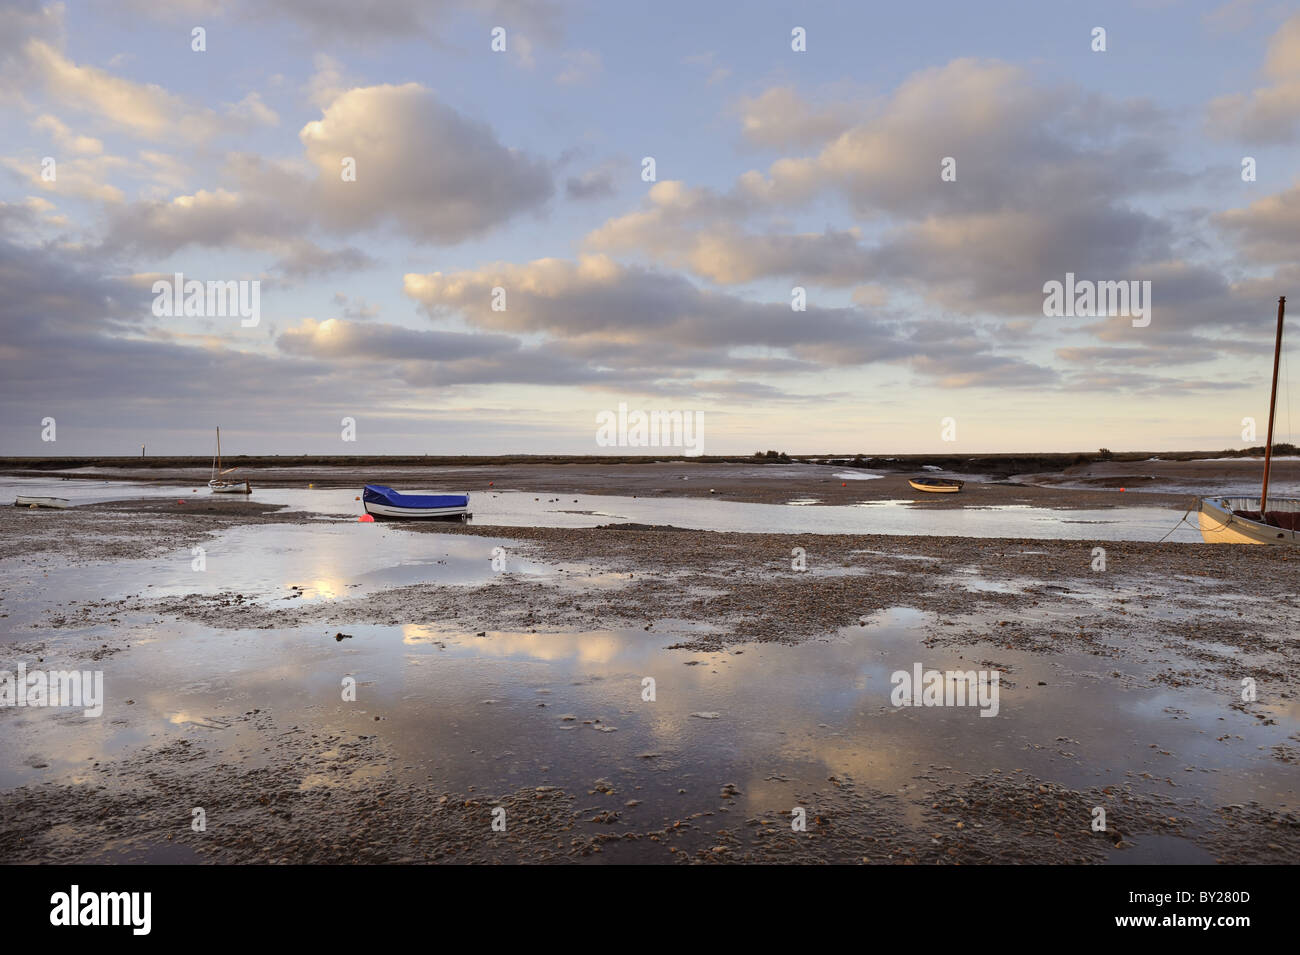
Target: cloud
x,y
674,220
50,297
85,348
355,308
25,20
422,168
1269,115
1015,142
598,299
206,218
53,127
20,217
780,117
1033,197
978,262
32,59
146,110
441,176
693,229
83,177
730,256
253,111
1195,305
224,219
335,338
301,258
435,358
997,262
1268,230
642,320
370,22
1141,357
1146,384
595,183
327,81
985,370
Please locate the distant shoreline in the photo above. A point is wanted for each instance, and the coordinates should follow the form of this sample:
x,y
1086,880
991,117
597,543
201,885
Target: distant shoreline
x,y
974,462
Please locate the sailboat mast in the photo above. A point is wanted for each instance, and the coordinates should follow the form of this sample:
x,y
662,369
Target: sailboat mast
x,y
1270,431
1272,407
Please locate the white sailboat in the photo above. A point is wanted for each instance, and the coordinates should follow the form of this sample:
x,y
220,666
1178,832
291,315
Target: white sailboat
x,y
219,485
1254,520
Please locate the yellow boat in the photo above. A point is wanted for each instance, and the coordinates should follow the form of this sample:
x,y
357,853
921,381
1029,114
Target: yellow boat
x,y
936,485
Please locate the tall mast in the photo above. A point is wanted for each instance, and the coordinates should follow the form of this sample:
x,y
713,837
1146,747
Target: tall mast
x,y
1270,432
1272,406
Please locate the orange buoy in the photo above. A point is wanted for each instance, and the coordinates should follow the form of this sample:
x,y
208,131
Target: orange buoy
x,y
844,484
366,519
1121,490
492,483
356,499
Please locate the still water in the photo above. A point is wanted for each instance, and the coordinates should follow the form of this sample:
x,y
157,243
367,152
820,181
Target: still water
x,y
524,509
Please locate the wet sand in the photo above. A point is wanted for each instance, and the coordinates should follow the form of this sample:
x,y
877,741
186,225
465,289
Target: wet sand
x,y
520,687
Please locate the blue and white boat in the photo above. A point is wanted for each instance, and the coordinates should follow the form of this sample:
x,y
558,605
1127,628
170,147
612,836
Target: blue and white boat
x,y
383,503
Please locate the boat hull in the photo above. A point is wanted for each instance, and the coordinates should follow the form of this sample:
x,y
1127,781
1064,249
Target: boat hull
x,y
58,503
387,512
384,504
228,487
1220,524
936,485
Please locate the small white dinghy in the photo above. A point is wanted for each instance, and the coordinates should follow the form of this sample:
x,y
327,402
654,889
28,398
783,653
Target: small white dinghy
x,y
24,500
230,487
218,484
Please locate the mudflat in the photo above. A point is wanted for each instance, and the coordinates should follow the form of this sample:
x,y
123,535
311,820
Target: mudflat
x,y
329,691
992,479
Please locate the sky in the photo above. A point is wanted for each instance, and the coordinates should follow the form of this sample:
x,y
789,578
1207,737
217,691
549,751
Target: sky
x,y
475,226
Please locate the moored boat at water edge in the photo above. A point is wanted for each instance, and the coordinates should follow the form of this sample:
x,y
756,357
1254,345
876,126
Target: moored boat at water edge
x,y
219,485
27,500
937,485
230,487
383,503
1254,520
1238,520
